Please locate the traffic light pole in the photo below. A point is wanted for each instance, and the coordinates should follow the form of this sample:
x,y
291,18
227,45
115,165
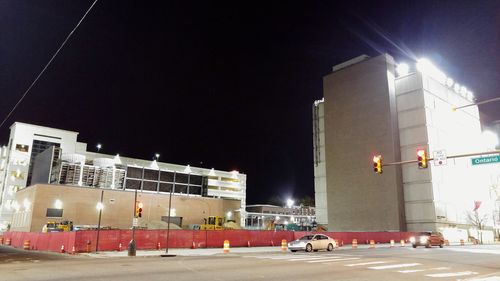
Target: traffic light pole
x,y
131,244
448,157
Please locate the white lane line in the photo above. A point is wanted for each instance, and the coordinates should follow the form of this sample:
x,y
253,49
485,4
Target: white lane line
x,y
491,278
394,266
367,263
335,260
314,258
411,270
476,251
452,274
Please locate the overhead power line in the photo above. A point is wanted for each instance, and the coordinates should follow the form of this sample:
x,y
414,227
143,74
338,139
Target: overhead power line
x,y
47,65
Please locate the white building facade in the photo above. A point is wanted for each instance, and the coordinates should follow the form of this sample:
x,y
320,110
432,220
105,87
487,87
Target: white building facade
x,y
69,163
443,196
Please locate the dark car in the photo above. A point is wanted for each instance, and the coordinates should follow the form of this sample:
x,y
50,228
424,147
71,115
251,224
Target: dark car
x,y
427,239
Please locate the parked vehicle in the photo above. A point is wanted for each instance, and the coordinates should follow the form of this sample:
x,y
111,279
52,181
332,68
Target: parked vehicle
x,y
428,239
312,242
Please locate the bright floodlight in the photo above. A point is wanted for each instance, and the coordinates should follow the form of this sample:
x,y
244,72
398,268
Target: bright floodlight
x,y
99,206
470,95
463,90
289,202
402,69
426,66
98,147
58,204
449,82
157,155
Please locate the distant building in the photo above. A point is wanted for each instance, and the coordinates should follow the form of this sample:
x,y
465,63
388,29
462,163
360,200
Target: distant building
x,y
368,109
271,217
42,155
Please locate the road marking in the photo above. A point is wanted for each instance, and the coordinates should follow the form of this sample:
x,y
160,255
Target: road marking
x,y
335,260
411,270
491,278
367,263
476,251
312,258
452,274
394,266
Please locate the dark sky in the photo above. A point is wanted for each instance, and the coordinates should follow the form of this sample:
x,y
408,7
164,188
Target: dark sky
x,y
220,84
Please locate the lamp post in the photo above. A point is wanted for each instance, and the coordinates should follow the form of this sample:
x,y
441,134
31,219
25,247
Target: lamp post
x,y
168,219
131,244
99,207
98,146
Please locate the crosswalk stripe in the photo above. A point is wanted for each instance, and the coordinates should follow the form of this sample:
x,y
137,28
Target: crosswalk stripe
x,y
394,266
367,263
452,274
334,260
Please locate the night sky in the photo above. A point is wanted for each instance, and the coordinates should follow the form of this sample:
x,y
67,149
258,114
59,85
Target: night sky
x,y
227,85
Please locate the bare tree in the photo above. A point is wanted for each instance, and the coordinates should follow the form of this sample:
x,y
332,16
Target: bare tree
x,y
478,220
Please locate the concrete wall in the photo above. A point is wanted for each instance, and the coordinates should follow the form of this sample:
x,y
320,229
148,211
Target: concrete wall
x,y
79,206
360,122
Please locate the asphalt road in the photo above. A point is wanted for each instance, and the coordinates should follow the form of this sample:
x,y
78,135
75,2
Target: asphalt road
x,y
450,263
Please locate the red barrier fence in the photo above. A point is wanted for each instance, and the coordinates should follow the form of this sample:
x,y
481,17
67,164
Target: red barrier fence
x,y
109,240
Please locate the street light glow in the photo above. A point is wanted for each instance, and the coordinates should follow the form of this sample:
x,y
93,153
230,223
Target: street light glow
x,y
99,206
58,204
289,202
402,69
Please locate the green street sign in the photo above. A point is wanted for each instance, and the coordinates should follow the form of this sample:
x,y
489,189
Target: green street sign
x,y
486,160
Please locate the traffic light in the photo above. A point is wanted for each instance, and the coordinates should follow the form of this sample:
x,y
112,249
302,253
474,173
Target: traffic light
x,y
138,209
377,164
422,158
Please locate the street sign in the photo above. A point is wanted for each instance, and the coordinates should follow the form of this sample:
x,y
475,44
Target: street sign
x,y
135,222
486,160
439,157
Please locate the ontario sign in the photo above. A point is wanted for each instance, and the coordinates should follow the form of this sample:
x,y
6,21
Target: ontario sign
x,y
486,160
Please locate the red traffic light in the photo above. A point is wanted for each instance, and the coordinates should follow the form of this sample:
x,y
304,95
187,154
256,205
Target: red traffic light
x,y
422,158
377,164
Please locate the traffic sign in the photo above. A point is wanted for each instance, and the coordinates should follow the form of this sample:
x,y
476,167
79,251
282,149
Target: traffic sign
x,y
439,157
135,222
486,160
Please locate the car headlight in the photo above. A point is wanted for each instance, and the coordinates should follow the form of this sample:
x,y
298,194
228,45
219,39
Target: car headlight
x,y
423,239
412,239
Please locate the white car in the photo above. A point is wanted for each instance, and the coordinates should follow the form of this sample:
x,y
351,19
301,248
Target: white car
x,y
312,242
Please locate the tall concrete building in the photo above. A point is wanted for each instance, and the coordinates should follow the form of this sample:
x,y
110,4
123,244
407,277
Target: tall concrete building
x,y
371,109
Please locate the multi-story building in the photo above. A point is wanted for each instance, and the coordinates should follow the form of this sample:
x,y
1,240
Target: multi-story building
x,y
42,155
371,109
270,217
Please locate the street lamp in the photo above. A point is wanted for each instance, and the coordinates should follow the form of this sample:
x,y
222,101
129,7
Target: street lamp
x,y
99,207
289,202
58,204
157,156
98,147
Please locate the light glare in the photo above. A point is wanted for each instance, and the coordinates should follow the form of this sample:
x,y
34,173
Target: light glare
x,y
402,69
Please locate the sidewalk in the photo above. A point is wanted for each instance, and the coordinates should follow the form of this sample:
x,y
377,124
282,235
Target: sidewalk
x,y
216,251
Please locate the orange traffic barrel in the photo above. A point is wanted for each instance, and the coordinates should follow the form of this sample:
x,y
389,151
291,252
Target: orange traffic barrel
x,y
283,245
392,243
26,245
462,242
7,241
226,246
1,240
372,244
87,248
120,247
446,243
62,249
354,243
158,246
402,243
